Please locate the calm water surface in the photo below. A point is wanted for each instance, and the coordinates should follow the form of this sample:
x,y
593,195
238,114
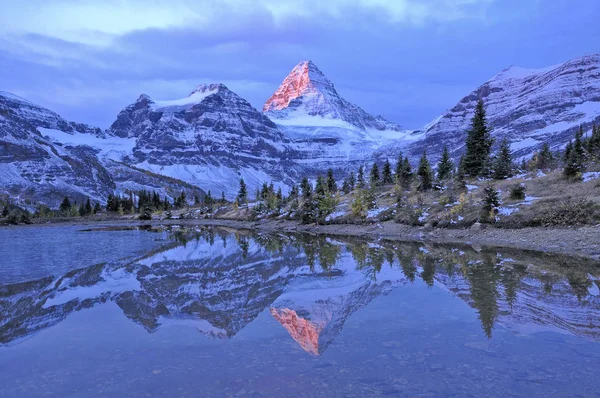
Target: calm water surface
x,y
212,312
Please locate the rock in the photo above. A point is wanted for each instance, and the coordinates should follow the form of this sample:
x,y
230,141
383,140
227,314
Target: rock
x,y
478,226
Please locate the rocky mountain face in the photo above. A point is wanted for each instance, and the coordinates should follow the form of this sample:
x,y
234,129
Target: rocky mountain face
x,y
526,106
211,139
34,168
327,130
307,92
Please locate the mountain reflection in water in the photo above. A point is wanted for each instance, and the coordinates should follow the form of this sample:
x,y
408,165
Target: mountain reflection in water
x,y
219,281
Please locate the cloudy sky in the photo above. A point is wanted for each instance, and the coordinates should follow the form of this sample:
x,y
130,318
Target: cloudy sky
x,y
408,60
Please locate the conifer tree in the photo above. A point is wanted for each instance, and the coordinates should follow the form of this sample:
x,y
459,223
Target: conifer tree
x,y
331,183
320,186
445,166
594,142
386,174
81,211
425,174
459,177
574,156
65,206
223,200
399,168
545,158
360,180
478,144
503,162
351,181
406,175
88,207
97,208
242,196
306,188
374,175
490,203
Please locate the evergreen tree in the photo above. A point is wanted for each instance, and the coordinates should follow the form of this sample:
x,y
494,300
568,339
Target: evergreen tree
x,y
544,159
360,181
386,174
65,206
425,174
574,156
242,196
223,200
460,170
320,186
594,142
406,175
490,204
351,181
399,168
88,207
331,184
306,188
146,213
445,166
374,176
503,162
478,144
568,149
5,211
97,208
81,210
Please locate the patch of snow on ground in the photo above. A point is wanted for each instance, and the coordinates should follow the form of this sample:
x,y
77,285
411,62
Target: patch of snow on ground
x,y
507,211
375,212
335,215
591,176
472,187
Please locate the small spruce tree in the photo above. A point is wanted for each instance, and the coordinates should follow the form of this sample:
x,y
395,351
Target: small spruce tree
x,y
406,177
331,183
425,174
242,196
545,158
445,166
386,174
503,162
490,204
374,175
65,206
360,180
399,167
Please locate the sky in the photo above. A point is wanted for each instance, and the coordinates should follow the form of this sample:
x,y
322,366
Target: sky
x,y
408,60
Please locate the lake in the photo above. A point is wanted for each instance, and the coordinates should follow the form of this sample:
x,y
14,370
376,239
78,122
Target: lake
x,y
212,312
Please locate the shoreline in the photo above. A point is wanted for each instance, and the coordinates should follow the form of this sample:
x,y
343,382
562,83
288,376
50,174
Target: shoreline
x,y
578,241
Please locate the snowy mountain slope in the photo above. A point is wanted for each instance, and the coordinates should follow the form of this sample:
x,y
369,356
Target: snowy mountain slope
x,y
33,168
211,139
527,107
327,130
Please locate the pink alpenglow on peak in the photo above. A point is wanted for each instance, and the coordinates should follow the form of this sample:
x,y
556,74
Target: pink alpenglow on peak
x,y
304,79
306,97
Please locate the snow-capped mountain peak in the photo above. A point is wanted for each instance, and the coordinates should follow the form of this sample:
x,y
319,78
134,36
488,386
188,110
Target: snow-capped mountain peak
x,y
306,97
304,80
198,95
